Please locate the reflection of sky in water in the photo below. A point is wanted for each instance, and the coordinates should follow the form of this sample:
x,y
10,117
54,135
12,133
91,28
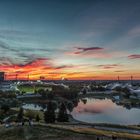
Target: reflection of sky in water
x,y
105,111
32,107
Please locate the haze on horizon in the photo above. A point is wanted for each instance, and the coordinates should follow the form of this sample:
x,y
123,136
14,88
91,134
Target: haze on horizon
x,y
75,39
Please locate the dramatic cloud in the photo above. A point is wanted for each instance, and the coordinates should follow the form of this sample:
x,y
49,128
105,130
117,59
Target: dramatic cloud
x,y
65,66
108,66
82,49
38,67
7,47
89,52
34,66
119,71
134,56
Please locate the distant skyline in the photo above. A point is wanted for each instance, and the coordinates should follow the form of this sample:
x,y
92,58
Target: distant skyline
x,y
74,39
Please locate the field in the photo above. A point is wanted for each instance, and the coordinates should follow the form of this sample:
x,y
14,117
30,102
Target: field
x,y
30,88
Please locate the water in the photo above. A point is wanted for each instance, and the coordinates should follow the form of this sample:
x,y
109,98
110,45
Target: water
x,y
105,111
99,111
32,107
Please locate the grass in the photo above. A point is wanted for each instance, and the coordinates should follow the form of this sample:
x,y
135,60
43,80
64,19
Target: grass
x,y
94,131
40,133
60,132
26,89
30,88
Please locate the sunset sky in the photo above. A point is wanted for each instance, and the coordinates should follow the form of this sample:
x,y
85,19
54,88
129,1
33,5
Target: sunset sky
x,y
74,39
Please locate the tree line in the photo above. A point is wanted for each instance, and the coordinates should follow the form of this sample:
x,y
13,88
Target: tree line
x,y
50,116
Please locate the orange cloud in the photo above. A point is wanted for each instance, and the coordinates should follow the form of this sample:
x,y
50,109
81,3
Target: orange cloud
x,y
39,67
45,67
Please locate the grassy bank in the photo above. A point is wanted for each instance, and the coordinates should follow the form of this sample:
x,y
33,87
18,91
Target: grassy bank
x,y
40,133
59,132
100,133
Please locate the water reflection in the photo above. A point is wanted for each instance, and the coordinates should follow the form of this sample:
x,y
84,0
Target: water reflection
x,y
105,111
97,110
94,106
33,106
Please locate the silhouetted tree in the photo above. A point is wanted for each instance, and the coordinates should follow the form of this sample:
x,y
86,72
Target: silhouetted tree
x,y
5,108
37,118
20,115
50,95
84,91
75,102
70,106
84,101
126,91
43,93
62,114
49,114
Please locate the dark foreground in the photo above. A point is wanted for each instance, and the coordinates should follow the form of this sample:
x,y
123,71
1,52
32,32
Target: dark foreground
x,y
39,132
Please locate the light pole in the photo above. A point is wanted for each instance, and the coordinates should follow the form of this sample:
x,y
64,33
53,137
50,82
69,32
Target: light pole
x,y
131,79
118,79
28,78
16,77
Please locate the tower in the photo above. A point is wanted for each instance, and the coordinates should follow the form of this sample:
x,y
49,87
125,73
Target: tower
x,y
118,79
131,79
2,75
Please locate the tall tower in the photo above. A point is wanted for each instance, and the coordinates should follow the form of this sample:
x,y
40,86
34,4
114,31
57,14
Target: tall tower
x,y
131,79
2,75
16,76
28,77
118,79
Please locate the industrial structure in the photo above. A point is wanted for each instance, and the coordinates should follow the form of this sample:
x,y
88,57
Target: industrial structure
x,y
2,76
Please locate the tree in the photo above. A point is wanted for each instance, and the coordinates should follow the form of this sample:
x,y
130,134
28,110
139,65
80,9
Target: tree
x,y
70,106
42,92
20,115
35,91
37,118
5,108
84,91
126,91
62,114
30,114
49,114
84,101
50,95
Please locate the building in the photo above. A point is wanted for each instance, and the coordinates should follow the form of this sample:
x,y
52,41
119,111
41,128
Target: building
x,y
8,86
2,75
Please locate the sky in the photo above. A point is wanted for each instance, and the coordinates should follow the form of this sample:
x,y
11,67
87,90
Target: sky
x,y
73,39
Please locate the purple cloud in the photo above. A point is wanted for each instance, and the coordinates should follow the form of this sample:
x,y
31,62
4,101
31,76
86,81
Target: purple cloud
x,y
82,49
108,66
134,56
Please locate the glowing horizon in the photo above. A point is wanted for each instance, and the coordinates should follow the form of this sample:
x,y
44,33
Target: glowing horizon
x,y
42,67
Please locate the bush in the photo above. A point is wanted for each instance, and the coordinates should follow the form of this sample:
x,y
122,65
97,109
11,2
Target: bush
x,y
30,114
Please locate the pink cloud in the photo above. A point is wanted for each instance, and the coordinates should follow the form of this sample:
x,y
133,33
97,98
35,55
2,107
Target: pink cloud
x,y
82,49
134,56
90,52
95,52
109,66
